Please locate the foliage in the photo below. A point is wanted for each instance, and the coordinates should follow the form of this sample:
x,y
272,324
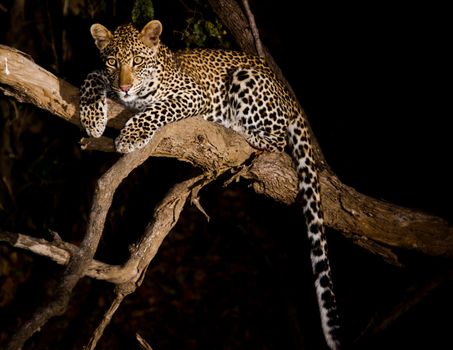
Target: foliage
x,y
142,12
201,32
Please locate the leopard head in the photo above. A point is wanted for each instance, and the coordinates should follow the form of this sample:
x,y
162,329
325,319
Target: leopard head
x,y
130,56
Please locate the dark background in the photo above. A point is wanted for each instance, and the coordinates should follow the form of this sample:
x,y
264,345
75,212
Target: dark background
x,y
373,81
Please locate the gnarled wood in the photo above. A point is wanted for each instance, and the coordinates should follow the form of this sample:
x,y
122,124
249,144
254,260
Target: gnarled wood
x,y
373,224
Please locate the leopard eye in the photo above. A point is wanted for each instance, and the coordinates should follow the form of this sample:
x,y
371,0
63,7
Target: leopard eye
x,y
138,60
111,62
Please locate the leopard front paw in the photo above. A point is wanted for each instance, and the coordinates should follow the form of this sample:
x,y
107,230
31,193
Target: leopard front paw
x,y
129,141
94,118
93,104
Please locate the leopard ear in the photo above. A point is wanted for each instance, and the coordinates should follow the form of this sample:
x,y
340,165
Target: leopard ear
x,y
150,33
101,35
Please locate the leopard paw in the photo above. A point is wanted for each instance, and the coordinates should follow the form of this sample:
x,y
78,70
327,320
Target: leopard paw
x,y
93,104
94,118
127,142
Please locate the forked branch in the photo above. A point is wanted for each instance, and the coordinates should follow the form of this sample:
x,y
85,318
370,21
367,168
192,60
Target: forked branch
x,y
378,226
375,225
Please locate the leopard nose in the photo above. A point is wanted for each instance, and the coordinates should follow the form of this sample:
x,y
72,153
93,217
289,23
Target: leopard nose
x,y
125,88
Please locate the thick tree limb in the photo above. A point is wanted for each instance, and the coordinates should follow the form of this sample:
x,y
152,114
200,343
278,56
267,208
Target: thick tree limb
x,y
373,224
367,221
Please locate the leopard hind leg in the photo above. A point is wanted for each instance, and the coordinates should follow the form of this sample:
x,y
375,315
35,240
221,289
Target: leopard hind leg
x,y
253,112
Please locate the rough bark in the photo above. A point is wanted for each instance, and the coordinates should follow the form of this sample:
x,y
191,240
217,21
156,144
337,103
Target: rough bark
x,y
373,224
381,228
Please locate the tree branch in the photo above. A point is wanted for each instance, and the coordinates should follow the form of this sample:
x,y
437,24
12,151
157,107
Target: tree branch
x,y
254,28
165,217
373,224
380,227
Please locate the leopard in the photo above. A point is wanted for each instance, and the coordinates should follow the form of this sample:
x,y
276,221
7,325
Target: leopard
x,y
232,88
